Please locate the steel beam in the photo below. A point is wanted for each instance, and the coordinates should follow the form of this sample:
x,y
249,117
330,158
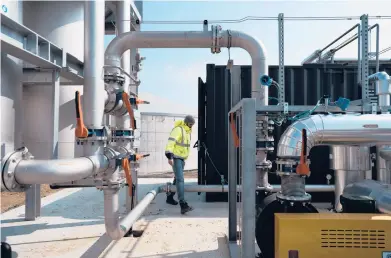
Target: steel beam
x,y
33,77
364,55
248,149
281,70
232,159
38,51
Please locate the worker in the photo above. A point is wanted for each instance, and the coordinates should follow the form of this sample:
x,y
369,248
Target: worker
x,y
177,151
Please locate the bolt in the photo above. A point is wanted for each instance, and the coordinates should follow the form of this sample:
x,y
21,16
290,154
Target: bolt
x,y
9,174
13,161
291,203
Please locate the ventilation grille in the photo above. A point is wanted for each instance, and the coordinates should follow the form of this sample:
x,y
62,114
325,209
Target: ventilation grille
x,y
352,238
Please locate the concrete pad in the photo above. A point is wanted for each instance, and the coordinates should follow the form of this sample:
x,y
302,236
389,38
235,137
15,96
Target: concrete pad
x,y
72,225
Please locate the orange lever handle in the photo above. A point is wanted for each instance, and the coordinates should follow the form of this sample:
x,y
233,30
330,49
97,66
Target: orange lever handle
x,y
234,132
302,168
81,130
139,101
125,99
128,176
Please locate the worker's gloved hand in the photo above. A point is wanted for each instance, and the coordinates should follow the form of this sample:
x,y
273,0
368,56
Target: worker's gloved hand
x,y
171,162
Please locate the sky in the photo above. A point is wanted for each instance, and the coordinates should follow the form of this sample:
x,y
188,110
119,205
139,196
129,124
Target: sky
x,y
172,74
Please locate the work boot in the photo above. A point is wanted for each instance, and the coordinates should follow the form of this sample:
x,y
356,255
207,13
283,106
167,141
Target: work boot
x,y
170,200
185,207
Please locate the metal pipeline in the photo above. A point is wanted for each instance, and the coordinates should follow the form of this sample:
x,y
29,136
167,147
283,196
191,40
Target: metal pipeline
x,y
93,90
379,192
116,228
58,171
348,129
194,39
383,91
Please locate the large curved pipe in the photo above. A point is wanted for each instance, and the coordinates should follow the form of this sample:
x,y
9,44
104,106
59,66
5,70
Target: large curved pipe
x,y
194,39
348,129
58,171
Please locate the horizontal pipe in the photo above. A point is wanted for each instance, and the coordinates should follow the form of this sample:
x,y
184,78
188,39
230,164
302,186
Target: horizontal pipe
x,y
117,228
224,188
58,170
193,39
379,192
347,129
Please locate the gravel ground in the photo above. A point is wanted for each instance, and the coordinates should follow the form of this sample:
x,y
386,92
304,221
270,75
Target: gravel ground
x,y
11,200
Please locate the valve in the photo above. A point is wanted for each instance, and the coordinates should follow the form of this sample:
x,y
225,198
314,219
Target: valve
x,y
128,103
81,130
136,157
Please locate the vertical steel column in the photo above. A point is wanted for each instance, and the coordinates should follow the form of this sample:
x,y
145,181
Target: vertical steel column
x,y
232,171
364,55
33,194
281,70
359,56
249,177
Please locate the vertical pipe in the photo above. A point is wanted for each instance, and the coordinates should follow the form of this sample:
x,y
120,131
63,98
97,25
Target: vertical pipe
x,y
123,17
249,177
93,92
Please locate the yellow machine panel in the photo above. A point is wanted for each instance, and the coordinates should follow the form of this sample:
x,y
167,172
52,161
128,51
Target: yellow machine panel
x,y
332,235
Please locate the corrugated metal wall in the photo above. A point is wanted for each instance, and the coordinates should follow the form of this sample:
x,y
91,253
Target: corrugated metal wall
x,y
304,85
155,130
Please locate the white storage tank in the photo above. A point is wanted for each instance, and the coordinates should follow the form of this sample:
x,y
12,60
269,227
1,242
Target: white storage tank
x,y
62,23
155,130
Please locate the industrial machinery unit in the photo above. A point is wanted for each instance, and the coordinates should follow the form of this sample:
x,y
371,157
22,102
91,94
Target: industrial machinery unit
x,y
105,131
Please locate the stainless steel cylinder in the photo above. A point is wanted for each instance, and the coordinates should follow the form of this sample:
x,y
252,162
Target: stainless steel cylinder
x,y
350,158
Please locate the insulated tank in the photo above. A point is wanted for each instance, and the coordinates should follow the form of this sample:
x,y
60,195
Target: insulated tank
x,y
62,23
11,88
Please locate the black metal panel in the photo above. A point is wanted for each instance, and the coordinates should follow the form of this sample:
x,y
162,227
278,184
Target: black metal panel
x,y
304,85
201,131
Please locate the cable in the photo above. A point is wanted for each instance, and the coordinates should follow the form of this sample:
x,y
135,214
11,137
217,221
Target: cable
x,y
260,18
213,164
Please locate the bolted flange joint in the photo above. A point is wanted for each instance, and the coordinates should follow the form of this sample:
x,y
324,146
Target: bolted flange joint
x,y
9,164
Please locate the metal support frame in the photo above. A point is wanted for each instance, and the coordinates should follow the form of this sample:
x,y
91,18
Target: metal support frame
x,y
281,70
37,51
246,110
364,57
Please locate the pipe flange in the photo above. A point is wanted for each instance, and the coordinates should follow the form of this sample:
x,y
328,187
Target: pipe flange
x,y
304,198
112,156
122,135
216,37
114,77
264,165
168,187
10,163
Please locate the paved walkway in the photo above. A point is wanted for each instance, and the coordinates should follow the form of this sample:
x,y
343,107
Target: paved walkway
x,y
72,225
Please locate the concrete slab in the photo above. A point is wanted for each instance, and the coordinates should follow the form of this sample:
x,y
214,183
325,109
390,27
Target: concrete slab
x,y
72,225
